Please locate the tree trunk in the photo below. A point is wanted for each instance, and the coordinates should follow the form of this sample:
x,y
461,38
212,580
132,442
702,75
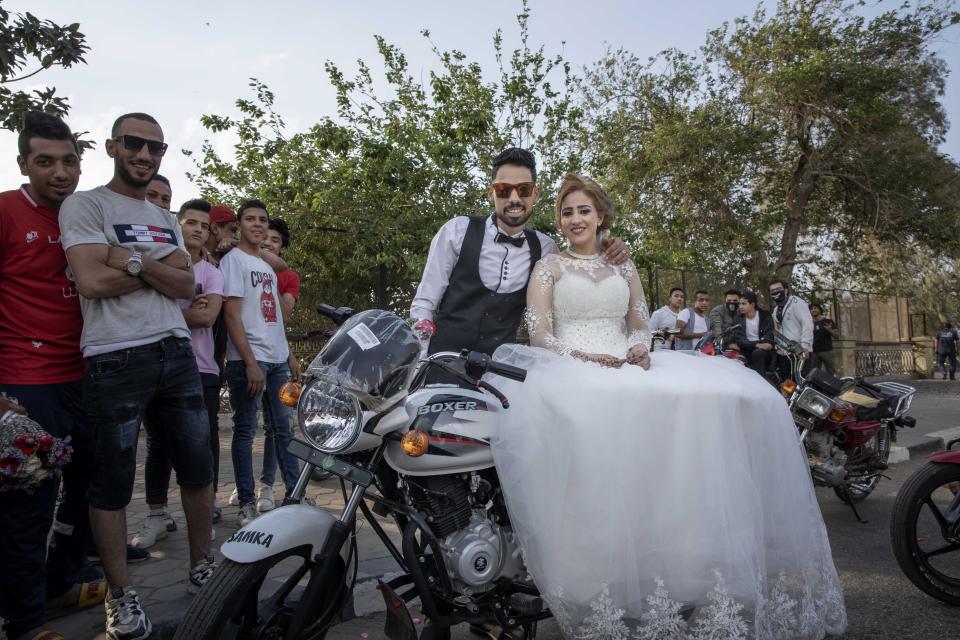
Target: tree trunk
x,y
802,185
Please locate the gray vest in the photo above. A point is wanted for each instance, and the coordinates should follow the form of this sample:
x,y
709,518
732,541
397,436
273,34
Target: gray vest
x,y
689,343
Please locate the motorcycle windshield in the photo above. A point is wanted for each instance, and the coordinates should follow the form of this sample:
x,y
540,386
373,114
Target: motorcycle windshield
x,y
372,355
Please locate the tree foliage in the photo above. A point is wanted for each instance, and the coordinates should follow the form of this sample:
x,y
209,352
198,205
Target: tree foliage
x,y
28,46
788,138
364,192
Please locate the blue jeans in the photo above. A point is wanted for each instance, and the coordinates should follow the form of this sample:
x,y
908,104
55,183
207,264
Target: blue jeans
x,y
944,358
275,414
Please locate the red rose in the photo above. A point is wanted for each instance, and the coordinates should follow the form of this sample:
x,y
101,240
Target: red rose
x,y
46,441
27,444
9,464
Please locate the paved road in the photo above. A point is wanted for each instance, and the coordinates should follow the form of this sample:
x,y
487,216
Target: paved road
x,y
881,603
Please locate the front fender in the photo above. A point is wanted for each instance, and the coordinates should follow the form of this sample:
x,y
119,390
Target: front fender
x,y
948,457
277,531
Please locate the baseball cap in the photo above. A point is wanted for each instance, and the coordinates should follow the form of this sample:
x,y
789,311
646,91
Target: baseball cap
x,y
221,213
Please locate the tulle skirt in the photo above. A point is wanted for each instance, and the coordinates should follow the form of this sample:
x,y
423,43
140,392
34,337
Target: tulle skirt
x,y
670,503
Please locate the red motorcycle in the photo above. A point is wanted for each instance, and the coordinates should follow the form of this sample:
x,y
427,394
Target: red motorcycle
x,y
925,526
720,345
846,425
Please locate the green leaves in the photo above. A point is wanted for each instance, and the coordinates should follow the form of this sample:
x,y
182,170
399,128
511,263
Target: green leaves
x,y
791,138
365,192
29,46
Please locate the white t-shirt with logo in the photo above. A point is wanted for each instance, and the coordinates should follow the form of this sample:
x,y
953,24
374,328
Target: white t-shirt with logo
x,y
699,324
253,280
105,217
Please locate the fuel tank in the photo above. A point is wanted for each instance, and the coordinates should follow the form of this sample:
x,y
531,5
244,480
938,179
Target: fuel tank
x,y
459,424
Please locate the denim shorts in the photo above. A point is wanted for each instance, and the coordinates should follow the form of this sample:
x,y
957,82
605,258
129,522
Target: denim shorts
x,y
158,383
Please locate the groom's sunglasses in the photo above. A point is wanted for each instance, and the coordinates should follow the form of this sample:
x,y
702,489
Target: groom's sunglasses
x,y
503,189
135,143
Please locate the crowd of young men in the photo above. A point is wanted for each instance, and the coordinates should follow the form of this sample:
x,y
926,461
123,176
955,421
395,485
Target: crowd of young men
x,y
114,312
749,329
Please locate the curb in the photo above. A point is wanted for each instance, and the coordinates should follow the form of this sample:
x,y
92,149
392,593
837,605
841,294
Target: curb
x,y
931,443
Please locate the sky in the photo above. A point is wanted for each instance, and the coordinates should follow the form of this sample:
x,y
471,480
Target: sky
x,y
179,60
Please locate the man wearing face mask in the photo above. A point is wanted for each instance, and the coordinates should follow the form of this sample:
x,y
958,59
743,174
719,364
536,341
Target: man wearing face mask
x,y
723,316
791,317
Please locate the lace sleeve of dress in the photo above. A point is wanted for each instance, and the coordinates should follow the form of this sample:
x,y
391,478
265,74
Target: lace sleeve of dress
x,y
638,316
539,314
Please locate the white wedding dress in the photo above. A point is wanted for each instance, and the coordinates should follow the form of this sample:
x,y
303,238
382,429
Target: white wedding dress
x,y
673,503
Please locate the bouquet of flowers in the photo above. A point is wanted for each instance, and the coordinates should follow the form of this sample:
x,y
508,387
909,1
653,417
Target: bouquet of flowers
x,y
28,454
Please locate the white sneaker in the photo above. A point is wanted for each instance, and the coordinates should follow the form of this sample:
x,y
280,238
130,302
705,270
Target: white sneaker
x,y
200,574
125,617
265,501
154,529
234,500
248,513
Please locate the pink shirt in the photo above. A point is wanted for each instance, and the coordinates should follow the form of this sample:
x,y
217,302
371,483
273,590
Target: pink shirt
x,y
209,281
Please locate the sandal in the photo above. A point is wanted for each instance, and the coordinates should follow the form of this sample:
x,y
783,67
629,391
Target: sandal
x,y
80,596
43,634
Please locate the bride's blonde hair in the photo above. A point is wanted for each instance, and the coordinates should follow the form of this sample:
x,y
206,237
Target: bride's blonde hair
x,y
573,182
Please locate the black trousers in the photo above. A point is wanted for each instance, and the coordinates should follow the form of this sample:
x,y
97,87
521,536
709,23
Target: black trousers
x,y
31,575
760,360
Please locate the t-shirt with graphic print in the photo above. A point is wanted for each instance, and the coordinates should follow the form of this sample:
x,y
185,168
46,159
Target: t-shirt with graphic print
x,y
144,316
253,281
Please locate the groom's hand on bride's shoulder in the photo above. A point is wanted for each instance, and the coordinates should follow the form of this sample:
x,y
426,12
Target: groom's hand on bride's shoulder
x,y
639,355
616,250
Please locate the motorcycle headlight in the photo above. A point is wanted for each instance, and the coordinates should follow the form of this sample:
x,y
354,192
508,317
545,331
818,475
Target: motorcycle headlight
x,y
814,402
329,416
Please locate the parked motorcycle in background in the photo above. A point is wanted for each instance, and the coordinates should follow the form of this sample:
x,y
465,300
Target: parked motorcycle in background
x,y
925,526
847,425
711,345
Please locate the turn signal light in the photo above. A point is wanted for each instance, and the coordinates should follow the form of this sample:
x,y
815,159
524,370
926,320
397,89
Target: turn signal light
x,y
414,443
788,386
290,393
837,415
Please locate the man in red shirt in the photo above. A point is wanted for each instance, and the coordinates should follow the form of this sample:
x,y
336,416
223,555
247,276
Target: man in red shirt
x,y
41,367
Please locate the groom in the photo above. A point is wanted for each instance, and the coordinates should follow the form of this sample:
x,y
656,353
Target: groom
x,y
474,286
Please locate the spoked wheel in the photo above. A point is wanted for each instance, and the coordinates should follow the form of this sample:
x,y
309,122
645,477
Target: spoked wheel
x,y
925,530
257,601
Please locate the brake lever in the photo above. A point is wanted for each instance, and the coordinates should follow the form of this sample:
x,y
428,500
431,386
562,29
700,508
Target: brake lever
x,y
504,402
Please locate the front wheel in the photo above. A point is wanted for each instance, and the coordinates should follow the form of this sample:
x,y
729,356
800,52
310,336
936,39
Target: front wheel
x,y
924,531
258,600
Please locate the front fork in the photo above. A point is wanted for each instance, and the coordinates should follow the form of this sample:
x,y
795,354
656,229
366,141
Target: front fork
x,y
329,554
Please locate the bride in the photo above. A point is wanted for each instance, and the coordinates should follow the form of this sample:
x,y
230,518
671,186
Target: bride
x,y
655,496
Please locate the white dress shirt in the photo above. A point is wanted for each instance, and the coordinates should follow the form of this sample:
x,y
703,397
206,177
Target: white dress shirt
x,y
504,268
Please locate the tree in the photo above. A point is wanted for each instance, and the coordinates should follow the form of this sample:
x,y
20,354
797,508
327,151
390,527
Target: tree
x,y
789,139
365,192
28,46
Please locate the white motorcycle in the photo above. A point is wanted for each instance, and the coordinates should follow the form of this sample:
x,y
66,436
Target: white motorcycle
x,y
416,452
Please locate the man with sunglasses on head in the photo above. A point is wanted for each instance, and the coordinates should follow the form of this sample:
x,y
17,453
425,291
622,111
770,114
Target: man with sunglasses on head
x,y
130,266
474,285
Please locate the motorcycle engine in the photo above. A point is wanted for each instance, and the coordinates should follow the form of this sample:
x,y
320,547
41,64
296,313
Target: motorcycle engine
x,y
827,461
476,548
479,554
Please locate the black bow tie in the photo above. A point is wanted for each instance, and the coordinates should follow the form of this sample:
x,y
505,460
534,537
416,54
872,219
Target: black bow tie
x,y
517,242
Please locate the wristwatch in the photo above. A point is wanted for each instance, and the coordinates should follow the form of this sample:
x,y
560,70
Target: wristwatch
x,y
134,266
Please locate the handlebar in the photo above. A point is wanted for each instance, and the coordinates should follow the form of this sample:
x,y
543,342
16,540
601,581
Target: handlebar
x,y
479,363
338,315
